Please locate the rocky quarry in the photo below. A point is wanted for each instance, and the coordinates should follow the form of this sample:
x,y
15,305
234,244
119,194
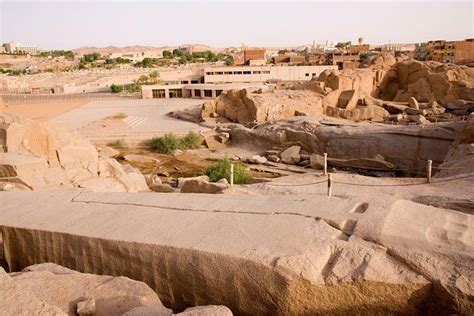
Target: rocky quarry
x,y
83,233
386,90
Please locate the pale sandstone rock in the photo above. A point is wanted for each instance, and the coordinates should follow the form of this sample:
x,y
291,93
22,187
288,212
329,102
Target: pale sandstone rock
x,y
15,300
202,186
140,158
109,152
257,159
418,118
347,100
101,185
413,103
163,188
209,310
316,161
131,178
183,180
86,307
291,155
245,106
62,287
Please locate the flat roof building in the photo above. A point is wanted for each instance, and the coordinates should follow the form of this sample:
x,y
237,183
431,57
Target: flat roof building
x,y
195,91
249,74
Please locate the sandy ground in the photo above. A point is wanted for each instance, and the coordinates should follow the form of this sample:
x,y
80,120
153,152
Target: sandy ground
x,y
43,111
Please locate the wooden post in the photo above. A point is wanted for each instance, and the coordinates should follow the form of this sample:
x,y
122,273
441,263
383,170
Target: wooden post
x,y
329,185
231,174
428,171
325,155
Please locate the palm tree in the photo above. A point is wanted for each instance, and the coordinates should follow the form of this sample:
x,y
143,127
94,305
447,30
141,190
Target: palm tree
x,y
154,75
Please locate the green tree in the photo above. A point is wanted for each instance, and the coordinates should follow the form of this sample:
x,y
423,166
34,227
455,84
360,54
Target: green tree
x,y
154,76
177,52
167,54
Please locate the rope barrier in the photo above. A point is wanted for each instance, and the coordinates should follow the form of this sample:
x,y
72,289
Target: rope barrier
x,y
365,185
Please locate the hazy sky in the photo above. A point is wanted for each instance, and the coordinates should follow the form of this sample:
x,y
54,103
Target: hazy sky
x,y
55,24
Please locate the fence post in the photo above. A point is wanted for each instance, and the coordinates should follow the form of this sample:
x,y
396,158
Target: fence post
x,y
325,155
231,174
329,185
428,171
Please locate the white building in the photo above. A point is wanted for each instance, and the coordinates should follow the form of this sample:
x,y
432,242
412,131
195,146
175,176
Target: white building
x,y
252,74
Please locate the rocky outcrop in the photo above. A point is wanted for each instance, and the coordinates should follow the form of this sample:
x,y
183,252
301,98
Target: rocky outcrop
x,y
244,106
200,185
406,147
51,289
48,155
460,158
66,289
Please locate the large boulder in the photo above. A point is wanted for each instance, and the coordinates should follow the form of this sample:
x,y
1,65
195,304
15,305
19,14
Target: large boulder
x,y
63,290
202,186
291,155
244,106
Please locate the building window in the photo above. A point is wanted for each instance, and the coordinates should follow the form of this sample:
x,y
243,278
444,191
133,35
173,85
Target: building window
x,y
247,72
184,82
237,72
314,74
208,93
158,93
218,93
219,73
257,72
175,93
267,72
194,81
197,93
306,74
209,73
228,72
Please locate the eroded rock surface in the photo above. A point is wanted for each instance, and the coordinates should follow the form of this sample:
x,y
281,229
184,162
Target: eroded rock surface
x,y
48,155
244,106
381,255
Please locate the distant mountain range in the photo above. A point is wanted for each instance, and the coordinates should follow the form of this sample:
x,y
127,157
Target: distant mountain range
x,y
139,48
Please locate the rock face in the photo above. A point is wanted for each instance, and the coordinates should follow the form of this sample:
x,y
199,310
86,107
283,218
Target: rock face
x,y
48,155
460,158
406,147
256,254
244,106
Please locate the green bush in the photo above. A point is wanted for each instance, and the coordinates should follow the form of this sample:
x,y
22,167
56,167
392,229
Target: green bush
x,y
166,144
222,170
191,141
116,88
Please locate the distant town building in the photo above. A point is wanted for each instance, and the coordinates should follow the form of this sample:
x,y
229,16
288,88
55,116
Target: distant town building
x,y
456,52
289,59
17,48
253,54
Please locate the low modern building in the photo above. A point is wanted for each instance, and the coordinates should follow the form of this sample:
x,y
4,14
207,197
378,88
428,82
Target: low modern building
x,y
196,91
262,74
17,48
